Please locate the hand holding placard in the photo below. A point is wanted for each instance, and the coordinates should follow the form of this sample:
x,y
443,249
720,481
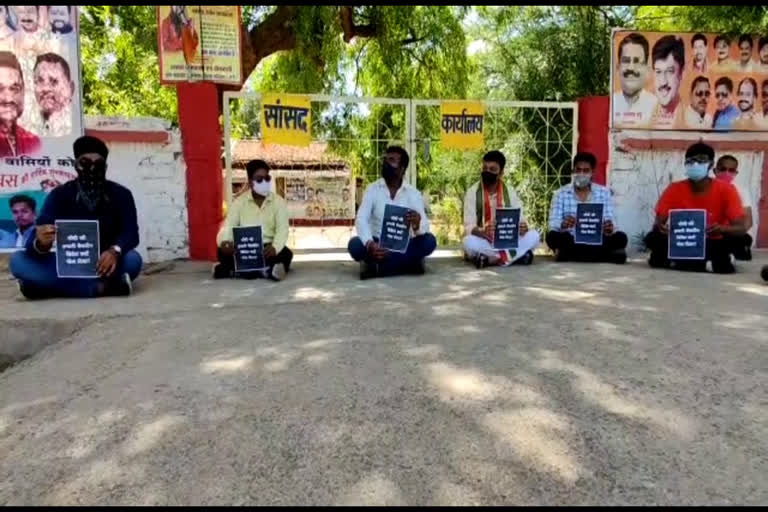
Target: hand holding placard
x,y
507,233
77,248
249,250
589,224
687,234
395,231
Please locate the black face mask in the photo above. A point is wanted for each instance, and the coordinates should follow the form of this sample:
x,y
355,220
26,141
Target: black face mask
x,y
489,179
92,179
389,172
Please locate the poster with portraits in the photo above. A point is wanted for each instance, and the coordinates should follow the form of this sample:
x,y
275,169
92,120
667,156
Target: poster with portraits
x,y
689,81
318,198
40,111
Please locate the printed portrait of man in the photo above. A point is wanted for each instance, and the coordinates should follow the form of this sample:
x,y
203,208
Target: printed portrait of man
x,y
14,140
54,89
29,17
60,18
633,106
668,57
8,25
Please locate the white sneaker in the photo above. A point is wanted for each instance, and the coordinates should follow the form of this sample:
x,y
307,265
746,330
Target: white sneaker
x,y
278,272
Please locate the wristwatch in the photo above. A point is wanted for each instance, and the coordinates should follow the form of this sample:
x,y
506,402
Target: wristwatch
x,y
117,249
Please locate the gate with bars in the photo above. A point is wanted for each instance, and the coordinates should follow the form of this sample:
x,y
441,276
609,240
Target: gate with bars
x,y
350,134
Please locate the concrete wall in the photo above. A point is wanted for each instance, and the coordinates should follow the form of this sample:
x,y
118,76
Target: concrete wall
x,y
643,163
146,156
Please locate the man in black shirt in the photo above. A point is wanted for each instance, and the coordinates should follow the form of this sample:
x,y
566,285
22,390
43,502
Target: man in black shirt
x,y
89,197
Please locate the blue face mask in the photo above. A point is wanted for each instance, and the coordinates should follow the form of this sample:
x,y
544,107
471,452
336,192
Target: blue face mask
x,y
697,171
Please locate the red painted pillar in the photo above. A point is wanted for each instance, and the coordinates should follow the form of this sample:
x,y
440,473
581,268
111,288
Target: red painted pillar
x,y
593,131
201,142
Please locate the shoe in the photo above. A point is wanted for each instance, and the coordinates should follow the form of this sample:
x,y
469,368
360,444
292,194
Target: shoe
x,y
368,270
30,292
656,262
120,287
277,273
764,273
481,261
618,256
222,272
526,259
743,254
725,267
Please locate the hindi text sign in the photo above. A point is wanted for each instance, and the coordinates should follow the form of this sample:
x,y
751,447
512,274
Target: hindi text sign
x,y
77,248
507,231
249,249
286,119
589,224
395,231
461,124
687,234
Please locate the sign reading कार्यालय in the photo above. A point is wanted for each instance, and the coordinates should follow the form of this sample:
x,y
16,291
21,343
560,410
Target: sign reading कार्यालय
x,y
589,224
249,249
77,248
286,119
461,124
395,231
507,232
687,234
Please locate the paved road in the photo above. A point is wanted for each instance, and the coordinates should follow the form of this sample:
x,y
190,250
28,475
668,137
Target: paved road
x,y
556,384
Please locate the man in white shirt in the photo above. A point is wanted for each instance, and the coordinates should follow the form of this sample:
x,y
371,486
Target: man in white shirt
x,y
391,189
633,106
668,59
726,169
696,113
480,203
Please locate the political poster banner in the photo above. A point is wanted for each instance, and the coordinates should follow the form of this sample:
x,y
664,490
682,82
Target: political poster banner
x,y
689,81
41,111
200,43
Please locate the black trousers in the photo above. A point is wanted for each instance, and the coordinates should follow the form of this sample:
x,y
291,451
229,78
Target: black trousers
x,y
570,251
285,257
718,251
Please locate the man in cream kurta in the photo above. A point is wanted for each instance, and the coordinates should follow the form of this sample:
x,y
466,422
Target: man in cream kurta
x,y
480,203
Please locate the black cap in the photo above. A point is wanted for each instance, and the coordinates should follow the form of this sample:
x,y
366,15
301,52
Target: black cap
x,y
88,144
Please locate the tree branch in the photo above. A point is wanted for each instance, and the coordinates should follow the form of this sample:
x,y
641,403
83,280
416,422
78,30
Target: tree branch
x,y
350,29
276,33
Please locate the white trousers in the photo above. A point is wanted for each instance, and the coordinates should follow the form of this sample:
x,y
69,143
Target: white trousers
x,y
474,245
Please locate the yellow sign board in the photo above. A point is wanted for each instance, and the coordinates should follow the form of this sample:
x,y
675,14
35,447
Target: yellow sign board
x,y
286,119
461,124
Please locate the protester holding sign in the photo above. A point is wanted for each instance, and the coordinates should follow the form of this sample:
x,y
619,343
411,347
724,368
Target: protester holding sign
x,y
563,218
726,170
89,197
391,189
259,208
724,219
480,204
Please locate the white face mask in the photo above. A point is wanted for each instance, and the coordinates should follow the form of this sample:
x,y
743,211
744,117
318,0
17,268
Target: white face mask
x,y
262,188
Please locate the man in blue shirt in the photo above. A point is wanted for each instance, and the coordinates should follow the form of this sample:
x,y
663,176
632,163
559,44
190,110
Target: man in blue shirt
x,y
89,197
562,218
727,113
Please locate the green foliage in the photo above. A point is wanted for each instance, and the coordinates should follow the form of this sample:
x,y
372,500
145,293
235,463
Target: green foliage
x,y
119,62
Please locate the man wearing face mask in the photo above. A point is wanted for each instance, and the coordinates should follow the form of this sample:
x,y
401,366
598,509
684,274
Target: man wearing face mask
x,y
391,189
726,169
562,218
89,197
262,208
480,203
725,215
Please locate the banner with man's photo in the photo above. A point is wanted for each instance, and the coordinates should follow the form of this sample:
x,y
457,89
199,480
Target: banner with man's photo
x,y
318,198
40,111
689,81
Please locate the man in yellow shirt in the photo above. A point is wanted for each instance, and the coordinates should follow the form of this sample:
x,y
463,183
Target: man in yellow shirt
x,y
262,208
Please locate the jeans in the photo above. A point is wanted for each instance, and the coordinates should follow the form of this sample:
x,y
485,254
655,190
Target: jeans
x,y
718,251
285,256
39,272
571,251
419,247
474,245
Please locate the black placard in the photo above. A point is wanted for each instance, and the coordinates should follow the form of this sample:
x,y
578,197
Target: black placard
x,y
249,249
507,232
589,224
687,234
395,232
77,248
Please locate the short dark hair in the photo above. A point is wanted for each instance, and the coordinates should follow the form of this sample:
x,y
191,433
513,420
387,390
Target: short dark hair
x,y
69,8
53,58
23,198
669,45
698,80
750,80
765,82
726,157
496,156
9,60
727,82
634,38
404,158
253,166
699,37
722,37
700,149
762,42
585,157
746,37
